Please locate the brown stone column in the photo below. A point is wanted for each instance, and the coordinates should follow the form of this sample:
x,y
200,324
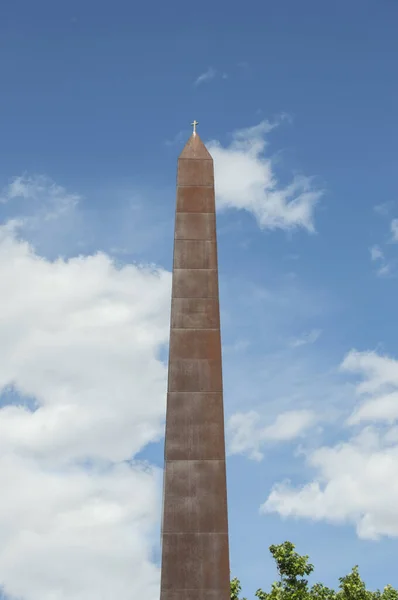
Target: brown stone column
x,y
195,554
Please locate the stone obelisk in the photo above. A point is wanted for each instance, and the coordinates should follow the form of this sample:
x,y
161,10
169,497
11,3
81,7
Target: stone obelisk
x,y
195,551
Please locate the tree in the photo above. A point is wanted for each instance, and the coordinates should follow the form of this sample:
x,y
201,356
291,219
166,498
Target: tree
x,y
236,589
293,585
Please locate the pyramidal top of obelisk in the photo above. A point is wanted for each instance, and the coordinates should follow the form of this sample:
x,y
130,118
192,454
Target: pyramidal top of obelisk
x,y
195,148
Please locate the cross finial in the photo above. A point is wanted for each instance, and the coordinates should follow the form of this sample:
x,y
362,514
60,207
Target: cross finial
x,y
194,126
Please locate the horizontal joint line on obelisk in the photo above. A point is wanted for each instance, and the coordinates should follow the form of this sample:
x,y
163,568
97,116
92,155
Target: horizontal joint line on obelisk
x,y
188,212
192,533
193,298
200,185
195,460
193,158
203,392
202,589
190,393
195,532
197,269
196,328
173,590
200,329
196,240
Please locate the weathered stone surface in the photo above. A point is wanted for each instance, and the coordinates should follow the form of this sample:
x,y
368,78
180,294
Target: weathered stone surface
x,y
195,426
195,555
195,226
195,313
196,498
194,283
198,199
195,561
195,172
195,595
193,375
190,343
195,254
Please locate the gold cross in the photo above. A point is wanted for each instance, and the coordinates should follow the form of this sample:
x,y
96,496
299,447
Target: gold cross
x,y
194,126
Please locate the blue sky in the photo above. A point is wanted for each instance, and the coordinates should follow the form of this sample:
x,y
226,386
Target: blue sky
x,y
297,103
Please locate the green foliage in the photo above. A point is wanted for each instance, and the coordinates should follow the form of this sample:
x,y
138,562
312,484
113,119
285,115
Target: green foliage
x,y
389,593
353,588
321,592
293,585
236,589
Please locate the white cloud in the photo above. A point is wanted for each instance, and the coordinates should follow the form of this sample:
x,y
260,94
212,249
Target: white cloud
x,y
84,333
206,76
80,341
66,533
378,391
245,180
386,265
247,435
384,208
378,372
394,230
48,199
376,253
307,338
356,479
379,408
384,270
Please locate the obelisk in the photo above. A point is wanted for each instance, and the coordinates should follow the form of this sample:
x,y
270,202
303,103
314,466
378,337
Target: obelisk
x,y
195,550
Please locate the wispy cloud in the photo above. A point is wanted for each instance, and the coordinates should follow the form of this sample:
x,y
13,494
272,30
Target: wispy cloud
x,y
377,256
51,200
178,139
384,255
376,253
385,266
394,230
246,180
238,346
307,338
384,270
384,208
205,77
247,435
